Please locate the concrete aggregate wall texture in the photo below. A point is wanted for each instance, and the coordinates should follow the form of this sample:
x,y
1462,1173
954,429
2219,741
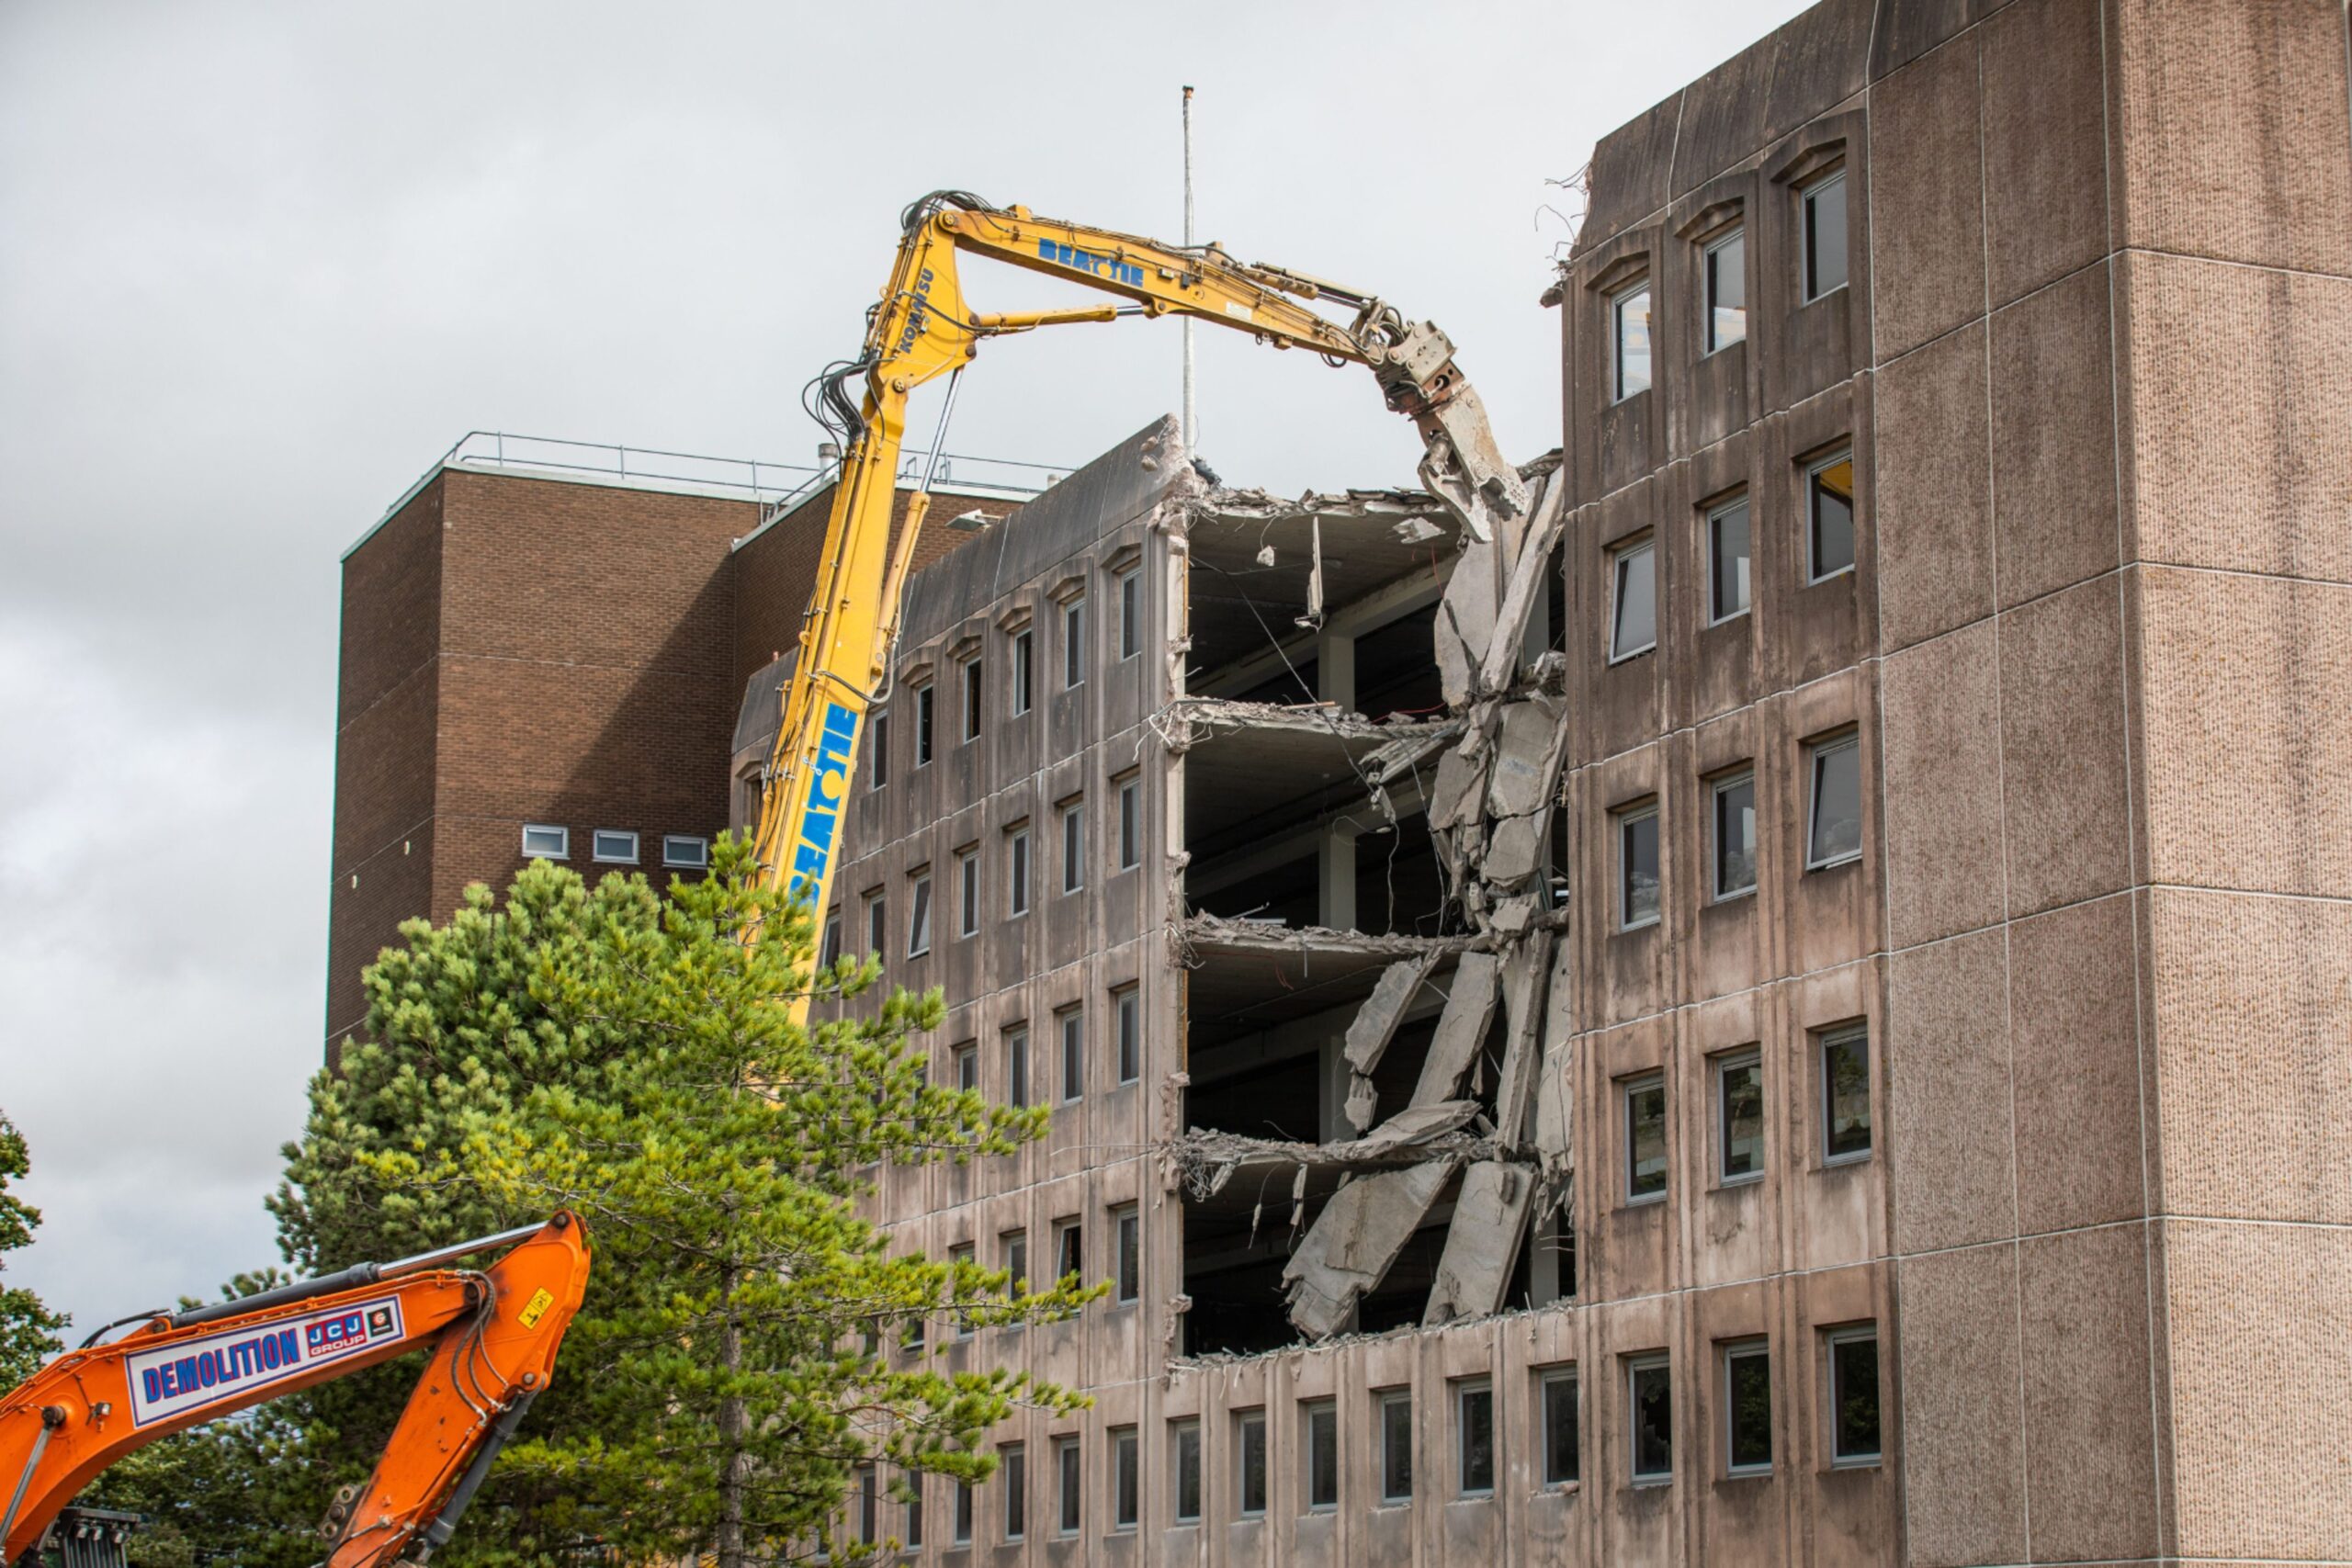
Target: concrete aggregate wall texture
x,y
1792,1007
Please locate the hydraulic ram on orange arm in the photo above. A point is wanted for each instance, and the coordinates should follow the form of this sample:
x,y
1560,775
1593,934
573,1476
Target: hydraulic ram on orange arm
x,y
493,1335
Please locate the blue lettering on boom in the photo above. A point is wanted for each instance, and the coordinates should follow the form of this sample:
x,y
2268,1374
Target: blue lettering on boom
x,y
828,786
1088,261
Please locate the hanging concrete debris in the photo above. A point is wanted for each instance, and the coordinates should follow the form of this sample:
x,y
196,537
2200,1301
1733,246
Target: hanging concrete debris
x,y
1461,1029
1483,1242
1206,1162
1354,1241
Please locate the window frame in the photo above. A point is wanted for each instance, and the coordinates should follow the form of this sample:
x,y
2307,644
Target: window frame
x,y
1718,788
1627,1088
1073,642
1017,858
1073,827
1831,1340
868,1494
1836,1037
670,856
829,946
1070,1038
1710,272
1624,821
1130,612
1126,1012
877,923
919,888
1024,671
562,850
1716,511
1013,1257
1619,557
1548,1380
1809,242
1246,1423
1013,1464
1756,1347
1127,1479
1130,822
1814,489
960,1517
1318,1424
1016,1064
1126,1254
968,892
973,673
914,1531
926,723
877,749
1617,299
1069,1246
1184,1433
965,1058
1385,1453
1636,1366
1463,1391
1069,1485
963,1252
1720,1070
597,853
1817,752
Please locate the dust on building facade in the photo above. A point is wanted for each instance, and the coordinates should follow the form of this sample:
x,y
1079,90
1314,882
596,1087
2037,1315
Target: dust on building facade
x,y
1790,1008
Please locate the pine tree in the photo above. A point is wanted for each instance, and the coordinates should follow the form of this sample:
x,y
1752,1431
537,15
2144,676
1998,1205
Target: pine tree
x,y
28,1329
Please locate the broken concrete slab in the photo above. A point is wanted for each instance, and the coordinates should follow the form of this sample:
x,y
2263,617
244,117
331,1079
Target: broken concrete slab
x,y
1524,974
1461,1028
1526,586
1455,797
1554,1088
1524,777
1375,1024
1514,850
1207,1161
1482,1243
1465,624
1350,1247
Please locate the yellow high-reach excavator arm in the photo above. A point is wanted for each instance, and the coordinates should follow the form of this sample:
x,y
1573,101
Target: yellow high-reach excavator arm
x,y
922,330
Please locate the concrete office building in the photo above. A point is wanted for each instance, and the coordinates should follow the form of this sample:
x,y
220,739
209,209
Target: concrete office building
x,y
1794,1007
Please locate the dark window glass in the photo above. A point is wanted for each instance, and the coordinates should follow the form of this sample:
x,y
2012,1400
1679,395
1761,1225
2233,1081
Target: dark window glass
x,y
1073,642
1561,1460
1747,1397
1736,836
1129,1232
1726,291
1740,1086
1130,827
914,1510
968,874
1252,1429
963,1522
1646,1137
1396,1447
1825,236
1131,615
869,1504
923,711
1073,847
1629,315
1829,504
1069,1259
1650,1392
1835,833
1727,562
1130,1036
831,952
968,1067
877,760
1016,1053
1853,1378
1073,1024
1323,1456
1474,1410
1846,1094
1024,675
1127,1501
1016,1261
878,927
1015,1470
972,679
1073,1484
1637,868
1188,1470
1633,625
918,921
1018,855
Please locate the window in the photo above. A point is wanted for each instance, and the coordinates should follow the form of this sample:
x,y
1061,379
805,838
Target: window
x,y
1130,825
964,1254
968,892
1074,643
914,1510
1473,1436
919,918
686,851
1017,871
1071,1023
1016,1064
926,710
1562,1462
1323,1454
541,841
1126,1488
1853,1396
1726,285
1070,1483
1070,1250
1834,826
830,953
1013,1253
961,1525
1634,620
1846,1094
877,744
972,688
1250,1450
1187,1445
1024,670
1728,591
1649,1403
1825,235
1073,846
1126,1229
869,1504
1629,341
1747,1408
1739,1117
878,925
1645,1138
1829,510
1735,827
1128,1008
1637,866
968,1067
915,1337
1130,612
613,846
1396,1447
1013,1464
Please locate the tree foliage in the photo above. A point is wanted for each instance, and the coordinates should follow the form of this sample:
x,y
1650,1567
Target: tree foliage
x,y
631,1056
28,1329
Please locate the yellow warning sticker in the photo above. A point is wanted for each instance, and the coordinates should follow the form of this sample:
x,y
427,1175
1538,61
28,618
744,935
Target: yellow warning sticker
x,y
536,1308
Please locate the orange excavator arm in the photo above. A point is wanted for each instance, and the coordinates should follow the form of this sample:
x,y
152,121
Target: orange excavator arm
x,y
493,1333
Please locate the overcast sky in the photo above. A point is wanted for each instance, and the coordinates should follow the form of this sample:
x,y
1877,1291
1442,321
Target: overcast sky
x,y
260,265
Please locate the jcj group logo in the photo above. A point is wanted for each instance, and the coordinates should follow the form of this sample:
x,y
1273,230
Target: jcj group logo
x,y
224,1369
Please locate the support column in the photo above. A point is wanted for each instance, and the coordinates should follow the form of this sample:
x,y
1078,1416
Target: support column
x,y
1335,865
1335,668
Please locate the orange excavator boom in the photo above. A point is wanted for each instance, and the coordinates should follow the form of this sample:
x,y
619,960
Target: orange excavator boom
x,y
493,1335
